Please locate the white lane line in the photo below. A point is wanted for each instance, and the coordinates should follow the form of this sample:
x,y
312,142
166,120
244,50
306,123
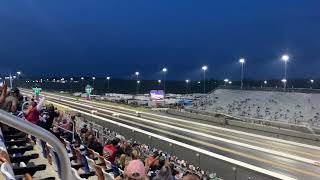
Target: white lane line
x,y
202,124
265,150
187,146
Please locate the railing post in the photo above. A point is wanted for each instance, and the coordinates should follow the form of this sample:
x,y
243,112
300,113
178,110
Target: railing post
x,y
42,134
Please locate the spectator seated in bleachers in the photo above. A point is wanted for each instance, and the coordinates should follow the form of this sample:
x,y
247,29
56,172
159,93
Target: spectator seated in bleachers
x,y
288,107
110,150
122,158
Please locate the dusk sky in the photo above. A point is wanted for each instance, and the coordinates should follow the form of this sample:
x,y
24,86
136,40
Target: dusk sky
x,y
119,37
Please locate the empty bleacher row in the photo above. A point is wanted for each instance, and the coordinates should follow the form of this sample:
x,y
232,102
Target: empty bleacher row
x,y
288,107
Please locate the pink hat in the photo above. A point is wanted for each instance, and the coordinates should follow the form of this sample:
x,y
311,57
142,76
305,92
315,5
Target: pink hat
x,y
135,169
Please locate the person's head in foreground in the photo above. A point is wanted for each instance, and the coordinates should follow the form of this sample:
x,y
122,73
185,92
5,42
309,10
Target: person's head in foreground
x,y
190,177
135,170
164,174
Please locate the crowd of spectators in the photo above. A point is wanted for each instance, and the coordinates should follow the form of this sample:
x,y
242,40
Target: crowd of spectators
x,y
129,155
290,107
130,159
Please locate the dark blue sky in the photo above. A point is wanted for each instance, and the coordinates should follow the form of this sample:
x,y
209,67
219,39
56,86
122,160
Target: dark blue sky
x,y
118,37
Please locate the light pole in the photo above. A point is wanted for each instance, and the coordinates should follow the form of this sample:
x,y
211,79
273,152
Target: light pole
x,y
138,82
10,79
164,70
82,79
108,79
204,68
187,81
71,84
93,78
19,73
226,81
311,81
265,83
235,172
242,61
284,84
285,58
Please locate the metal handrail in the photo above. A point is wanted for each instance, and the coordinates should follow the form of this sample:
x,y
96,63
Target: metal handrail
x,y
42,134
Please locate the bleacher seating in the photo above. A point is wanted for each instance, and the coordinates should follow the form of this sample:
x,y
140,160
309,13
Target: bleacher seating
x,y
288,107
19,149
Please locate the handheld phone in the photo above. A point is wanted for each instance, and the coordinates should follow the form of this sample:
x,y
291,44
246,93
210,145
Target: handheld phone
x,y
1,83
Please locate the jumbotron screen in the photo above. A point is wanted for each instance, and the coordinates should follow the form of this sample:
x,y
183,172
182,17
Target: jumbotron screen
x,y
157,95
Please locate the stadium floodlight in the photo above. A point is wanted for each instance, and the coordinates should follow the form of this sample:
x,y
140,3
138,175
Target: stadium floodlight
x,y
93,78
82,79
230,82
242,61
187,81
265,82
225,81
284,84
164,70
108,79
311,81
14,77
19,73
285,58
137,79
137,87
199,82
159,81
204,68
71,79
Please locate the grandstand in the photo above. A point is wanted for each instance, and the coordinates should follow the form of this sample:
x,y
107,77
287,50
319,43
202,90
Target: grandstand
x,y
288,107
67,150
